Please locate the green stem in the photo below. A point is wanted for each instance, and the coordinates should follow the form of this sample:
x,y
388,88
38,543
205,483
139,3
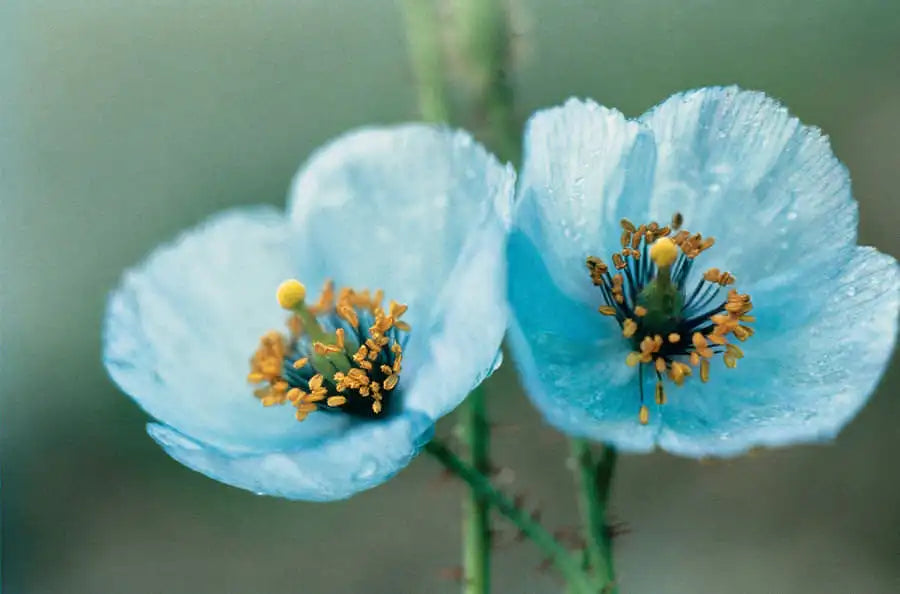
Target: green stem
x,y
561,558
476,521
427,61
423,36
594,482
484,52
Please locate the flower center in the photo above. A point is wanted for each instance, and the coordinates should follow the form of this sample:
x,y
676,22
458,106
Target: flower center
x,y
341,354
672,328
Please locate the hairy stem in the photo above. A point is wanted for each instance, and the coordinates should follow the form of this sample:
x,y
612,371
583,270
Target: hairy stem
x,y
423,37
567,564
594,481
476,512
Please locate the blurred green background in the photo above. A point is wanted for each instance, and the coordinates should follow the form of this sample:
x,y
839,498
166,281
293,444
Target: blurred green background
x,y
123,122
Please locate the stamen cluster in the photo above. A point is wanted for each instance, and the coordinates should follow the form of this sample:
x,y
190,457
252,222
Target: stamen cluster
x,y
673,331
342,353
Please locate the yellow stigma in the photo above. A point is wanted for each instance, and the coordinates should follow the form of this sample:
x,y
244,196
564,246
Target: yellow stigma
x,y
663,252
291,293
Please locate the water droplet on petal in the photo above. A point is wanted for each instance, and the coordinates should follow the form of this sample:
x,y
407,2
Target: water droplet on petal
x,y
366,471
792,215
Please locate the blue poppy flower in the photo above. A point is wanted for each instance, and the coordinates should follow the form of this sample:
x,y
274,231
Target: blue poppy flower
x,y
629,329
343,395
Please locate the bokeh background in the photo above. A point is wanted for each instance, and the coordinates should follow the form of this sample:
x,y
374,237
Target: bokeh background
x,y
123,122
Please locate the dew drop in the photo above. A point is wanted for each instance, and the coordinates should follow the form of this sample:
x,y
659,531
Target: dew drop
x,y
792,215
366,471
851,291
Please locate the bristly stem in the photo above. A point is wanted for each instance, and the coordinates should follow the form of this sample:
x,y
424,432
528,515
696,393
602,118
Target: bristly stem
x,y
558,555
484,54
594,482
424,35
427,59
476,509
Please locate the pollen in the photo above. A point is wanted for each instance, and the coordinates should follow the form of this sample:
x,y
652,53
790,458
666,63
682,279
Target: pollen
x,y
342,354
673,325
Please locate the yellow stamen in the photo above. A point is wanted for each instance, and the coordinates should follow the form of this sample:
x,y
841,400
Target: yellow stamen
x,y
703,338
644,415
678,371
735,351
716,338
660,393
336,401
742,333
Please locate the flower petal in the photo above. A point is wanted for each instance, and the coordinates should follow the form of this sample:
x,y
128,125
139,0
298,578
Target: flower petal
x,y
801,386
461,346
585,168
181,327
572,359
741,169
392,208
360,458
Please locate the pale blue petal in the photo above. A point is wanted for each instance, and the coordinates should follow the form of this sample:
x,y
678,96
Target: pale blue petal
x,y
585,168
572,359
800,386
360,458
181,327
741,169
461,346
421,212
392,208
